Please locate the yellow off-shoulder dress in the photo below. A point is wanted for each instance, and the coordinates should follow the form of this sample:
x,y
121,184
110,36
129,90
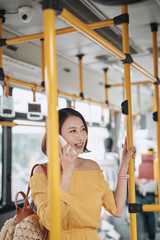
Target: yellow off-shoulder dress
x,y
80,207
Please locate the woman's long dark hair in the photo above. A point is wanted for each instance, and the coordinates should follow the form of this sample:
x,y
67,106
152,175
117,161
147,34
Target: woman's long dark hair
x,y
64,113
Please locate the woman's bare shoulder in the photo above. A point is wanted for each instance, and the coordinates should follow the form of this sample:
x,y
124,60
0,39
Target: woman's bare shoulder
x,y
40,168
91,165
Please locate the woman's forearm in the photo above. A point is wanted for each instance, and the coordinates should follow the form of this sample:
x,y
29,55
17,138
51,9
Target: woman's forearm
x,y
121,189
121,192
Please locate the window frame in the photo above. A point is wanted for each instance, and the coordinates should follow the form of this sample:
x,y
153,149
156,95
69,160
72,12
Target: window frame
x,y
6,203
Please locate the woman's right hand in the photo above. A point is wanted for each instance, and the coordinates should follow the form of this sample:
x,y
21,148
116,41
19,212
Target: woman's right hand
x,y
67,159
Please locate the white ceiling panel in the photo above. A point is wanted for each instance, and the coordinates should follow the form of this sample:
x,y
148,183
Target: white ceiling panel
x,y
69,45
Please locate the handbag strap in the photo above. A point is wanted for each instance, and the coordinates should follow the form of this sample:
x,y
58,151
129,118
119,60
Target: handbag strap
x,y
26,203
43,165
28,189
27,208
25,196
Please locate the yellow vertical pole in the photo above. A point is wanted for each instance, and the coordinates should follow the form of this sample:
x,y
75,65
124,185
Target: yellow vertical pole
x,y
42,63
106,85
154,29
152,103
155,164
81,94
52,119
127,85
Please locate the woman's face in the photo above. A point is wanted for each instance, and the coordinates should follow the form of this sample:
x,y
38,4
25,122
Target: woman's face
x,y
73,131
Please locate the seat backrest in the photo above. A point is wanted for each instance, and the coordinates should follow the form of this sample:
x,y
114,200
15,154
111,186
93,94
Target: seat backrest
x,y
146,167
146,171
147,158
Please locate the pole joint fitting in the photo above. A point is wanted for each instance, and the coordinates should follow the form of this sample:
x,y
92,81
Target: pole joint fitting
x,y
154,27
123,18
135,207
43,84
53,4
2,76
105,70
81,95
80,56
157,82
107,102
155,116
128,59
124,107
2,13
2,42
107,86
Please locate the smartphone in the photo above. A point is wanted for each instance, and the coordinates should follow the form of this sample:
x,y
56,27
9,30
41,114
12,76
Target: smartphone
x,y
63,142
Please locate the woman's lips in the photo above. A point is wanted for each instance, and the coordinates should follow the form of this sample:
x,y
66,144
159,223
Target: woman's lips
x,y
79,146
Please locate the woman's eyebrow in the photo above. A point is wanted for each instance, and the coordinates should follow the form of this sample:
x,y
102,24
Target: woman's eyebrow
x,y
75,127
72,127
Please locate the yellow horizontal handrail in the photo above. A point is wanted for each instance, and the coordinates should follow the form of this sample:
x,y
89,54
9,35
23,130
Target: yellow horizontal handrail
x,y
94,25
23,83
132,83
31,37
86,29
82,27
12,124
24,38
143,71
151,208
75,97
61,93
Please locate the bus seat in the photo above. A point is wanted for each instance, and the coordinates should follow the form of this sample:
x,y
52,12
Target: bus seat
x,y
146,167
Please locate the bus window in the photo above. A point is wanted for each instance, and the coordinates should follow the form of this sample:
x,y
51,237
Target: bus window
x,y
84,109
23,97
106,115
62,103
26,151
95,144
96,117
0,162
89,110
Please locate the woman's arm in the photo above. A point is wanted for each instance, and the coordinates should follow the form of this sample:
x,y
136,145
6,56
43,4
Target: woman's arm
x,y
121,189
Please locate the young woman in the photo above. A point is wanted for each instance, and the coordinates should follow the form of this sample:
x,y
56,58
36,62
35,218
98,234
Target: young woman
x,y
83,189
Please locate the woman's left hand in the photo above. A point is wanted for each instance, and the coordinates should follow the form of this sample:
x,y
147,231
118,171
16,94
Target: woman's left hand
x,y
126,154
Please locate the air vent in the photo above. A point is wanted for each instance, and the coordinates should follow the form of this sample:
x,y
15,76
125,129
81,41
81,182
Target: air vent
x,y
12,47
67,70
101,83
87,13
102,58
